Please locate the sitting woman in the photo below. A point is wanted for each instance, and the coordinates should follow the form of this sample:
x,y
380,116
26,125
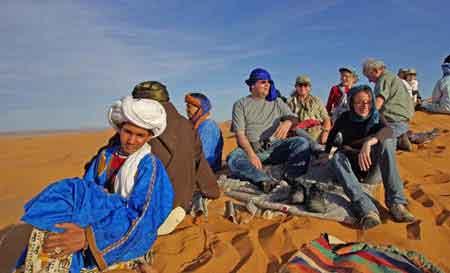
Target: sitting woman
x,y
198,109
109,218
367,143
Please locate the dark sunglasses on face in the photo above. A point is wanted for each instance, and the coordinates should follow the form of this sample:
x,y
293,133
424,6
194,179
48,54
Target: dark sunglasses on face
x,y
263,81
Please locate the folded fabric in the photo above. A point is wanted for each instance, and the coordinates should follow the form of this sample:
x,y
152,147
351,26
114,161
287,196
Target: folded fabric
x,y
323,255
307,123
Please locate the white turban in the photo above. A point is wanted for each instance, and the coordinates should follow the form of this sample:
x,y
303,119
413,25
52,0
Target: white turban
x,y
145,113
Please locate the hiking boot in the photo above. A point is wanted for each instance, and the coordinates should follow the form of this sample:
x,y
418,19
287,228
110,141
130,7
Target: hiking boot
x,y
315,200
268,186
403,143
370,220
401,214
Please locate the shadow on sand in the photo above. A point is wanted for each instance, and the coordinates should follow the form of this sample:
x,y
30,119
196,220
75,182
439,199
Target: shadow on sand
x,y
13,240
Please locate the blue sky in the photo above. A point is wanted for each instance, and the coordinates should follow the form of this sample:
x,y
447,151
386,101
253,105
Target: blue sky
x,y
64,62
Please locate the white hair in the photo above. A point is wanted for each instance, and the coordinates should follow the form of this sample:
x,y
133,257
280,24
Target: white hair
x,y
370,64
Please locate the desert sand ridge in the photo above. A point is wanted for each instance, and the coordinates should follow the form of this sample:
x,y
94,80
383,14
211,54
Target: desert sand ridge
x,y
29,163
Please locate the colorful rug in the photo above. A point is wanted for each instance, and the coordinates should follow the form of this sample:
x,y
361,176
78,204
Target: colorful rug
x,y
329,254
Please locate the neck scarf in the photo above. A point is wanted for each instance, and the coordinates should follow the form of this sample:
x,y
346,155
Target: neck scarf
x,y
374,116
124,180
261,74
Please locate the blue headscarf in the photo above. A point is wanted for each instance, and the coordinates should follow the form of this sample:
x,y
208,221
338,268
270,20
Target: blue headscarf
x,y
446,69
374,116
261,74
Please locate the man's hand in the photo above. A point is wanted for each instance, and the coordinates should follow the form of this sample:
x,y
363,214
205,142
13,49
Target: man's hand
x,y
254,159
364,160
323,137
283,129
58,245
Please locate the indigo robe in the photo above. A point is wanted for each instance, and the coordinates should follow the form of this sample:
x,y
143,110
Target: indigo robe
x,y
117,229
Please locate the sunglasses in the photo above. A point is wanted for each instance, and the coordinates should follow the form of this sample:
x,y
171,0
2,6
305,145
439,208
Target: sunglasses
x,y
263,81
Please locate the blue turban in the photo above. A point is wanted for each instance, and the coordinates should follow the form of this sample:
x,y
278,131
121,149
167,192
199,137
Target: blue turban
x,y
261,74
202,103
373,117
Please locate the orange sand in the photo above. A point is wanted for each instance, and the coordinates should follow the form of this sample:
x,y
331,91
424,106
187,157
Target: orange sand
x,y
215,244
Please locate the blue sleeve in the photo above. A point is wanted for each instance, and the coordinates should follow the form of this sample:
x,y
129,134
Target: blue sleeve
x,y
91,172
212,143
96,172
130,230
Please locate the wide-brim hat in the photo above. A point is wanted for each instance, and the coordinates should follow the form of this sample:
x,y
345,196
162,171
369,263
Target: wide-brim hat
x,y
411,71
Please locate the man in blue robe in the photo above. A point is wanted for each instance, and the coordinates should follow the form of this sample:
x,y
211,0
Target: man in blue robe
x,y
198,109
109,218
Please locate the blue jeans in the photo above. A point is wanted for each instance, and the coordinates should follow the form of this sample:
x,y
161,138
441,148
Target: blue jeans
x,y
294,151
382,154
399,128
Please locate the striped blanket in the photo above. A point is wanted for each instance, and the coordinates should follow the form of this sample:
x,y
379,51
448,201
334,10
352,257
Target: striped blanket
x,y
323,255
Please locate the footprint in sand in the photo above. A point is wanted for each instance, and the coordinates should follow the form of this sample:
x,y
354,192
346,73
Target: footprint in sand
x,y
421,147
442,217
420,196
413,230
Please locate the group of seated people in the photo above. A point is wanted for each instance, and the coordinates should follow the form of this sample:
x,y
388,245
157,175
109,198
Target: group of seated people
x,y
142,183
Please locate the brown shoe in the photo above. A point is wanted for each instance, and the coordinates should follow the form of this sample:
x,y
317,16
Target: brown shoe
x,y
401,214
370,220
403,143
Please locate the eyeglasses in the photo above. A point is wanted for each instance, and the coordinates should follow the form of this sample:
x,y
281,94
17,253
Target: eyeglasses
x,y
369,102
302,84
263,81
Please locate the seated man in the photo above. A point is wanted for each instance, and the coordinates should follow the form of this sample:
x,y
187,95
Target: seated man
x,y
311,112
411,79
261,122
178,144
392,100
367,144
440,100
110,217
402,73
198,109
337,99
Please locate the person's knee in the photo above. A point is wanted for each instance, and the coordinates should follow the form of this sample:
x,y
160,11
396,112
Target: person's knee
x,y
236,154
339,160
300,144
388,143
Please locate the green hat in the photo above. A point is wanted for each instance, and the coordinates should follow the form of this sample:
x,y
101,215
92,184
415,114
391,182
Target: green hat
x,y
302,79
151,90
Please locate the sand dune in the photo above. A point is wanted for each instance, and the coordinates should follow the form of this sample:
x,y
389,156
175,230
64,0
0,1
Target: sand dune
x,y
217,245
